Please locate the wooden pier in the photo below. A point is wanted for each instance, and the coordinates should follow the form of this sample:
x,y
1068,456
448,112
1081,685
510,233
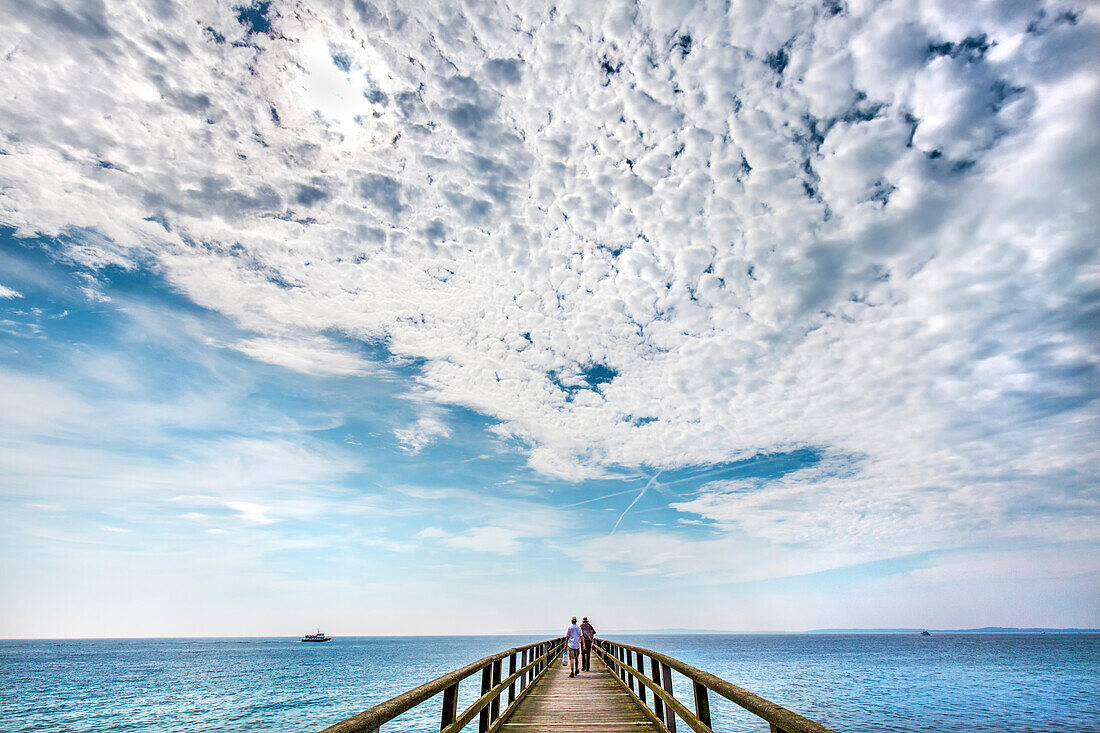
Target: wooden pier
x,y
536,695
590,703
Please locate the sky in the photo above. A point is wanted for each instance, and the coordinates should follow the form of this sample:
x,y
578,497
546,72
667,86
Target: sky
x,y
456,317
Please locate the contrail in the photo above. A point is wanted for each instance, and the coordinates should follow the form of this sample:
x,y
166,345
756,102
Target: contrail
x,y
605,496
639,496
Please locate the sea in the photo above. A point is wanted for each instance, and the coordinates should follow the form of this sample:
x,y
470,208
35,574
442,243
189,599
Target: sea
x,y
853,683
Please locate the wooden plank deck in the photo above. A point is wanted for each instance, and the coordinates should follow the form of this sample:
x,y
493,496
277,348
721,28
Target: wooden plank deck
x,y
590,703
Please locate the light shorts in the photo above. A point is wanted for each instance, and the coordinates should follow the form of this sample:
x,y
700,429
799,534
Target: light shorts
x,y
574,653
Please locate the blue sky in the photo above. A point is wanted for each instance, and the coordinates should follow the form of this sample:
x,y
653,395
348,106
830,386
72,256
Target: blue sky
x,y
421,321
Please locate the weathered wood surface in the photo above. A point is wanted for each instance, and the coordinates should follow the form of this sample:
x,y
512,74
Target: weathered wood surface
x,y
592,702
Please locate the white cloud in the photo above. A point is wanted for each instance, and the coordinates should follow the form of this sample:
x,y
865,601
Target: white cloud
x,y
730,558
500,540
250,512
871,232
497,540
427,429
1030,563
7,293
470,510
389,545
305,355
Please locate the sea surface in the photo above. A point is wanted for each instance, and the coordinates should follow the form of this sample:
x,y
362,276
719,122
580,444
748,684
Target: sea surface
x,y
854,683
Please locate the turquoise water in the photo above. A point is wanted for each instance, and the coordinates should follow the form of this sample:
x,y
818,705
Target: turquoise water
x,y
853,683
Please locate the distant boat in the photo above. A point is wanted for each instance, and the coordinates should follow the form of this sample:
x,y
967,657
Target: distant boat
x,y
316,637
923,633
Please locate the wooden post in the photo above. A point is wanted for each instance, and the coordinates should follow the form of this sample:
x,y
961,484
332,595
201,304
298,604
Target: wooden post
x,y
702,703
666,682
640,666
450,706
495,706
512,684
486,685
658,703
629,664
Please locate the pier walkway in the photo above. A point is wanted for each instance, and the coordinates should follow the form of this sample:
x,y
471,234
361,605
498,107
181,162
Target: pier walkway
x,y
528,690
590,703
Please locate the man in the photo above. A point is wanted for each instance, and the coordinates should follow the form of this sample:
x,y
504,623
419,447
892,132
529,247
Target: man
x,y
573,638
588,637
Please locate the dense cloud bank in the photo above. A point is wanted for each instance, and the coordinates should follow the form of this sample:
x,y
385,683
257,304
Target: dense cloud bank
x,y
639,235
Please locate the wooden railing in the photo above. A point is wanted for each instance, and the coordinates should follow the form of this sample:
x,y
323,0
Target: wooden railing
x,y
533,661
628,663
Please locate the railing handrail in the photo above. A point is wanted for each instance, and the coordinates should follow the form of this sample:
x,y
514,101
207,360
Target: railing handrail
x,y
780,718
372,718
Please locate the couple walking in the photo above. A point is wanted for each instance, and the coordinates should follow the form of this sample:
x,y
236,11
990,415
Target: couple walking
x,y
579,640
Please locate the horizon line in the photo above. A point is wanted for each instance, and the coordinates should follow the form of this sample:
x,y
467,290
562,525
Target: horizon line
x,y
636,632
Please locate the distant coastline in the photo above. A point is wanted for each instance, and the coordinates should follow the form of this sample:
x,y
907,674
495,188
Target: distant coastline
x,y
915,630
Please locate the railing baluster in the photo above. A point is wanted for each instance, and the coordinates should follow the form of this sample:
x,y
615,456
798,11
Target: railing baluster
x,y
495,712
666,682
629,664
658,703
640,666
512,684
486,685
702,703
450,706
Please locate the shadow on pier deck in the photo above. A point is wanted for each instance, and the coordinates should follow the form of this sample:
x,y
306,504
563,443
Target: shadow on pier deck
x,y
619,694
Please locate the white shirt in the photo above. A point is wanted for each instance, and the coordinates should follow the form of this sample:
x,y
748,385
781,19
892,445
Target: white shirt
x,y
573,637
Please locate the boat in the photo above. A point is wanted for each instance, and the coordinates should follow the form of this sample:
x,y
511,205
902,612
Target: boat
x,y
316,637
923,633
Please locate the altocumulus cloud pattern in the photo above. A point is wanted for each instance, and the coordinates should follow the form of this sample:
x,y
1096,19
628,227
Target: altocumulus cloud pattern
x,y
633,234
